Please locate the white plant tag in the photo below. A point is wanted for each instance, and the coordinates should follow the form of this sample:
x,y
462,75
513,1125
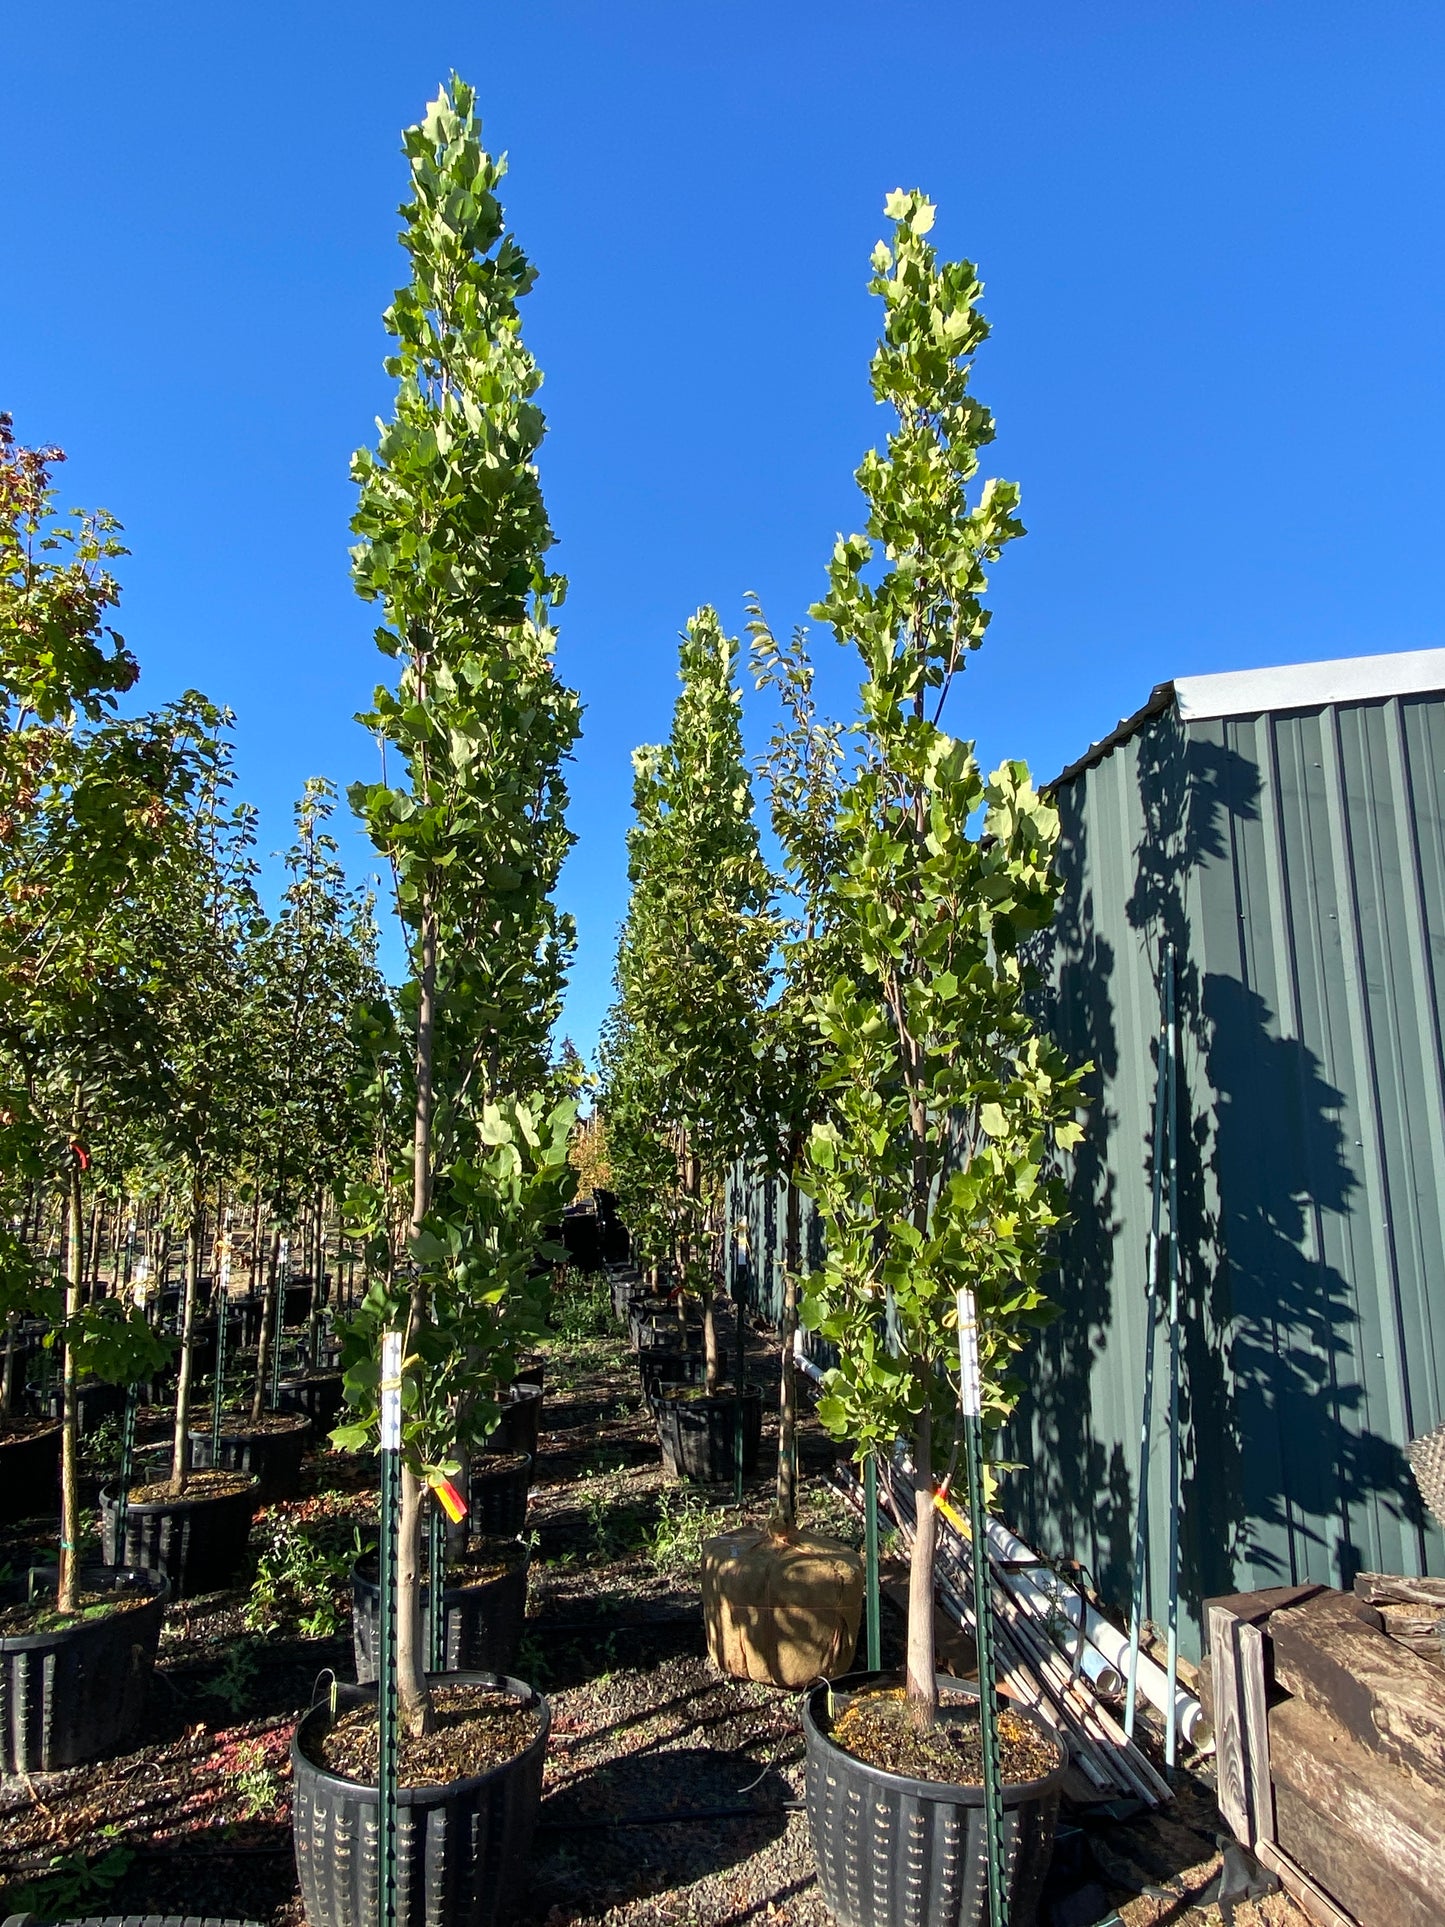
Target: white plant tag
x,y
970,1386
391,1391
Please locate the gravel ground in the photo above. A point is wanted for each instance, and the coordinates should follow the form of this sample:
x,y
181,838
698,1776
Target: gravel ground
x,y
197,1819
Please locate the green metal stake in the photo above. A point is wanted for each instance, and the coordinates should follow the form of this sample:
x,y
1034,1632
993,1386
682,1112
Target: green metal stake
x,y
283,1265
387,1710
127,1467
436,1561
223,1300
870,1564
739,1375
971,1401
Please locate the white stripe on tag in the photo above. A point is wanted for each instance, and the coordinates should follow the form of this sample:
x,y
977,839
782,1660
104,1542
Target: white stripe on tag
x,y
391,1391
970,1384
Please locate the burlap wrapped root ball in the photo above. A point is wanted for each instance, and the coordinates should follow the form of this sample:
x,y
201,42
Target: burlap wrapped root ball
x,y
784,1609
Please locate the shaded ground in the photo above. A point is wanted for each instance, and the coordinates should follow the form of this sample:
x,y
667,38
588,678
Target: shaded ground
x,y
197,1819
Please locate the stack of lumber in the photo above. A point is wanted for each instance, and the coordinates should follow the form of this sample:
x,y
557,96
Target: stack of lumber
x,y
1331,1751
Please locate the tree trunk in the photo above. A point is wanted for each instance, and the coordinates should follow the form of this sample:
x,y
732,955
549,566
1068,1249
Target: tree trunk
x,y
180,1449
922,1667
268,1328
416,1706
68,1579
7,1372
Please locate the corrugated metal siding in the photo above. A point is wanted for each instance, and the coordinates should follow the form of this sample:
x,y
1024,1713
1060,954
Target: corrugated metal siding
x,y
1297,862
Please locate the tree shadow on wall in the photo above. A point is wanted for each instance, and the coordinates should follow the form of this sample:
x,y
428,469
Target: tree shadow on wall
x,y
1274,1453
1071,1493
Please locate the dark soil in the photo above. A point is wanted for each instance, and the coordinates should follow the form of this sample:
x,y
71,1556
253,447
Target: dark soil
x,y
876,1729
15,1429
199,1485
476,1729
240,1425
40,1616
496,1465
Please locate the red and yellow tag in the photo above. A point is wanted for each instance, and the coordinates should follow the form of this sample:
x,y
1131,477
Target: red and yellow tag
x,y
451,1501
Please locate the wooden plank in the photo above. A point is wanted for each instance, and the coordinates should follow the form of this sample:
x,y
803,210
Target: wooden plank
x,y
1231,1773
1387,1588
1249,1672
1255,1607
1374,1808
1347,1869
1383,1695
1317,1904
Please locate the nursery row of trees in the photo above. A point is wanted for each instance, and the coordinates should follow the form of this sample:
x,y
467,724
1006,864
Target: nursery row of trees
x,y
858,1024
165,1045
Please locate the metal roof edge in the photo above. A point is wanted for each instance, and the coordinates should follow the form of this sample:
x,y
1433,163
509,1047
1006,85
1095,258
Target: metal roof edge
x,y
1311,685
1161,697
1251,692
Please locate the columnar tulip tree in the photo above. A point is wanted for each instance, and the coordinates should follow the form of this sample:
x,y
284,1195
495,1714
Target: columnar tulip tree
x,y
470,816
692,964
931,1170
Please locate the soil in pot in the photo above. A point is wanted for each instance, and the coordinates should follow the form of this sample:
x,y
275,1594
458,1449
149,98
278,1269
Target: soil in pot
x,y
199,1485
477,1728
271,1448
875,1728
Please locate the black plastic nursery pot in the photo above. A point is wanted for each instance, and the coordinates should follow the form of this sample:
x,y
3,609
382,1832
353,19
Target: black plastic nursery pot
x,y
624,1289
77,1691
272,1452
497,1499
519,1427
198,1540
298,1304
461,1849
29,1471
484,1619
653,1315
95,1402
664,1371
697,1433
319,1395
893,1851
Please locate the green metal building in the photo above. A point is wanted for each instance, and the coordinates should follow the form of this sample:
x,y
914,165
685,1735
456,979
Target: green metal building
x,y
1284,831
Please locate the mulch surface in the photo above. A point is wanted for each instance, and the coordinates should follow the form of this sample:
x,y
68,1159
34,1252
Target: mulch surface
x,y
645,1734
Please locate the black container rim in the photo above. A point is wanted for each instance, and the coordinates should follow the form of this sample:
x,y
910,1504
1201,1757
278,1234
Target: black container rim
x,y
291,1423
1015,1792
157,1585
493,1465
690,1398
524,1564
438,1790
187,1498
34,1432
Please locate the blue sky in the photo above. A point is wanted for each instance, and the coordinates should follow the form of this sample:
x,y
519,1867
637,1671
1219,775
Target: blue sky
x,y
1212,241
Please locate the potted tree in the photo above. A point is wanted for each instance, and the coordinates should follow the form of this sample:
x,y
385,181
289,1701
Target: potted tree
x,y
692,975
782,1604
87,803
931,1169
453,539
